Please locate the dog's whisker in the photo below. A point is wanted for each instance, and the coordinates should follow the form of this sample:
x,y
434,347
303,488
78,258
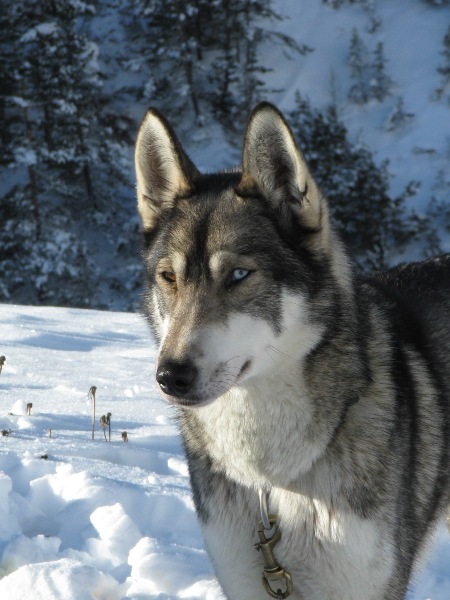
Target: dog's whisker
x,y
278,351
271,357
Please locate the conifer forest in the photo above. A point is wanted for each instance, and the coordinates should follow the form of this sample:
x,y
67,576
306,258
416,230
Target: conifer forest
x,y
77,76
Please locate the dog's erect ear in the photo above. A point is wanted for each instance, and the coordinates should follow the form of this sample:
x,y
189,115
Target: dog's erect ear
x,y
164,172
274,167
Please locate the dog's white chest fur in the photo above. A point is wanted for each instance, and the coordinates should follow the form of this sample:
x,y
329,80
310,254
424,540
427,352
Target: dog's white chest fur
x,y
246,446
329,554
330,551
334,553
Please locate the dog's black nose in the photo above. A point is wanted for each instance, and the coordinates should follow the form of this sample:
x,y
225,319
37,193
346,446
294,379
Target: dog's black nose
x,y
175,378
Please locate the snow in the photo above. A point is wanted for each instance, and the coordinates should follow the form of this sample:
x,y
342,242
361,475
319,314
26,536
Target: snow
x,y
44,29
94,519
97,519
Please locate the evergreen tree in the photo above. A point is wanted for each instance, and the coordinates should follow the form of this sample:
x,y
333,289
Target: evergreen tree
x,y
338,3
54,269
360,69
209,64
398,117
444,69
380,82
19,143
54,115
235,80
238,77
369,76
7,88
171,38
62,84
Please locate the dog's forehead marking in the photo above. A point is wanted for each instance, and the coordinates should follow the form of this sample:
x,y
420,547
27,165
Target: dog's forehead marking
x,y
174,260
179,262
220,260
217,259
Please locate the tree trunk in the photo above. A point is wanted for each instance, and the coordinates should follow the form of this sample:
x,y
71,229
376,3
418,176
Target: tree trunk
x,y
31,169
86,170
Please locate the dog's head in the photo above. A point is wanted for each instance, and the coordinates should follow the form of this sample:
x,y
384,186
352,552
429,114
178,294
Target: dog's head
x,y
235,261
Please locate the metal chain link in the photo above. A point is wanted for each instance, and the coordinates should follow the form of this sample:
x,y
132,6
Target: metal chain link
x,y
273,572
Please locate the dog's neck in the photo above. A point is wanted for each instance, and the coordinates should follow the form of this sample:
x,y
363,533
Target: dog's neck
x,y
247,430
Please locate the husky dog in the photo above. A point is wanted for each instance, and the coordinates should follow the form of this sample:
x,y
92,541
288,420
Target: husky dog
x,y
291,375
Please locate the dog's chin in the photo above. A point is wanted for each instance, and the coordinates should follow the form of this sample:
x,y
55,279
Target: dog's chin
x,y
190,403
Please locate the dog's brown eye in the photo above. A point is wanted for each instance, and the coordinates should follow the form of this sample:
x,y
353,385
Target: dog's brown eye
x,y
169,276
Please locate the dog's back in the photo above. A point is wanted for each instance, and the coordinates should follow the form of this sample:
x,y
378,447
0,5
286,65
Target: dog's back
x,y
423,288
422,281
416,298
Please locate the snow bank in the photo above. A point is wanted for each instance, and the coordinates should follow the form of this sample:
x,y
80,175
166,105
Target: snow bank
x,y
83,518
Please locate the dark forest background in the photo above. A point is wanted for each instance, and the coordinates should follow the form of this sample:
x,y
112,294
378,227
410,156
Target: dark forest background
x,y
75,79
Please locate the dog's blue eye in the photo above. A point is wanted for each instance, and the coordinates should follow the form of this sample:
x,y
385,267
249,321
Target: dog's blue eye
x,y
239,274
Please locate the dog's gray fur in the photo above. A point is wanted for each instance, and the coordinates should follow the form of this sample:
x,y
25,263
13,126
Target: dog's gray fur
x,y
290,374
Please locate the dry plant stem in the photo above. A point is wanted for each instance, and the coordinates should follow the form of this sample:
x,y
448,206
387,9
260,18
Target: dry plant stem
x,y
91,395
103,425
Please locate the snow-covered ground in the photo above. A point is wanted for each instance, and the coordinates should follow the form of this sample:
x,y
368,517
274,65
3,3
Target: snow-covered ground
x,y
95,519
83,518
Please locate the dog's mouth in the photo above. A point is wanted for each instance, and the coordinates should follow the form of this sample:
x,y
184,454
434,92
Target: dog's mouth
x,y
189,402
245,367
189,398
